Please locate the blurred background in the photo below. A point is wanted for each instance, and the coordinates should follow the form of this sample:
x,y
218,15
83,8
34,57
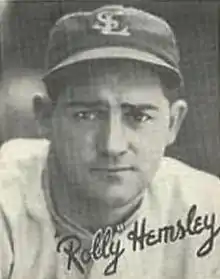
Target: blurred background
x,y
23,39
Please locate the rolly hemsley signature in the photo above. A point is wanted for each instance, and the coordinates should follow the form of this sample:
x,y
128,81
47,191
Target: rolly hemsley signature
x,y
104,246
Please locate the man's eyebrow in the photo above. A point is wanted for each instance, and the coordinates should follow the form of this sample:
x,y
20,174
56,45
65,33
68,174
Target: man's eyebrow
x,y
139,106
86,104
94,104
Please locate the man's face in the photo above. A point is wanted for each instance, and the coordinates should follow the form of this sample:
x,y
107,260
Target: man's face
x,y
109,131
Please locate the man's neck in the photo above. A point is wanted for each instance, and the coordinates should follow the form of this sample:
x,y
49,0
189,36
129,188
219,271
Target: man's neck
x,y
72,205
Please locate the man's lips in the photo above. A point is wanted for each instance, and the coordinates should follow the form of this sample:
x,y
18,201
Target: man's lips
x,y
113,169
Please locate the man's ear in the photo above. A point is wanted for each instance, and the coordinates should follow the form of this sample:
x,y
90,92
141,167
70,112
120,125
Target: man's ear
x,y
178,111
43,109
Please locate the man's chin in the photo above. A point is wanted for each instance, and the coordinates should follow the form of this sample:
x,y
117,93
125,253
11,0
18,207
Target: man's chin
x,y
116,200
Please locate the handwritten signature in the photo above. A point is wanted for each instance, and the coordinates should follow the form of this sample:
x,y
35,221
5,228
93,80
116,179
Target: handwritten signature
x,y
105,246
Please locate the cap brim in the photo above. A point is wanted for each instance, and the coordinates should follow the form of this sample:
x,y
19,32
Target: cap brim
x,y
113,52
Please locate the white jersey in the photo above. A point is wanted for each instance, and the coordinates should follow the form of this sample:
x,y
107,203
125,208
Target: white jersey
x,y
175,233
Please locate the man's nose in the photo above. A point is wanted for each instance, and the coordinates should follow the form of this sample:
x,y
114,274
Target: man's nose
x,y
112,142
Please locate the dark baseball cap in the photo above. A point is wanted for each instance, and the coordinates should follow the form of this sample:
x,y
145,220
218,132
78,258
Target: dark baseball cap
x,y
113,32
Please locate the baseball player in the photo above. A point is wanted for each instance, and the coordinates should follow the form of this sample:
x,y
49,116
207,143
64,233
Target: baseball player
x,y
97,197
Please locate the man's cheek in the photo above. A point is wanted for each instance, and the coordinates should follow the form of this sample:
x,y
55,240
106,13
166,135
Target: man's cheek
x,y
88,146
149,156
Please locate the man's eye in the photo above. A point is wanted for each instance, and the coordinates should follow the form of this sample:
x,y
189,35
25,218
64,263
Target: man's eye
x,y
139,117
85,115
88,115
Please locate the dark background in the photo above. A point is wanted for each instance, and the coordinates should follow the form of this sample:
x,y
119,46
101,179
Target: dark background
x,y
24,33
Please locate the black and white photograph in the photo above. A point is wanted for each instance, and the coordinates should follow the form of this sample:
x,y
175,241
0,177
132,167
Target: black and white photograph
x,y
109,139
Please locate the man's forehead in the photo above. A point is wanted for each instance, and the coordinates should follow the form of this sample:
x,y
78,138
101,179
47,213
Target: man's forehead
x,y
103,72
114,87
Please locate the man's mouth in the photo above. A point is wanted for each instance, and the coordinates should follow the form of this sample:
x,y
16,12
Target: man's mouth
x,y
113,169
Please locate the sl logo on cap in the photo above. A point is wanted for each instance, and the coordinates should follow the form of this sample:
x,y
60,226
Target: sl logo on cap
x,y
108,23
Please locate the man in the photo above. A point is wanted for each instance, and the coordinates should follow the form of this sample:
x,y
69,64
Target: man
x,y
97,197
